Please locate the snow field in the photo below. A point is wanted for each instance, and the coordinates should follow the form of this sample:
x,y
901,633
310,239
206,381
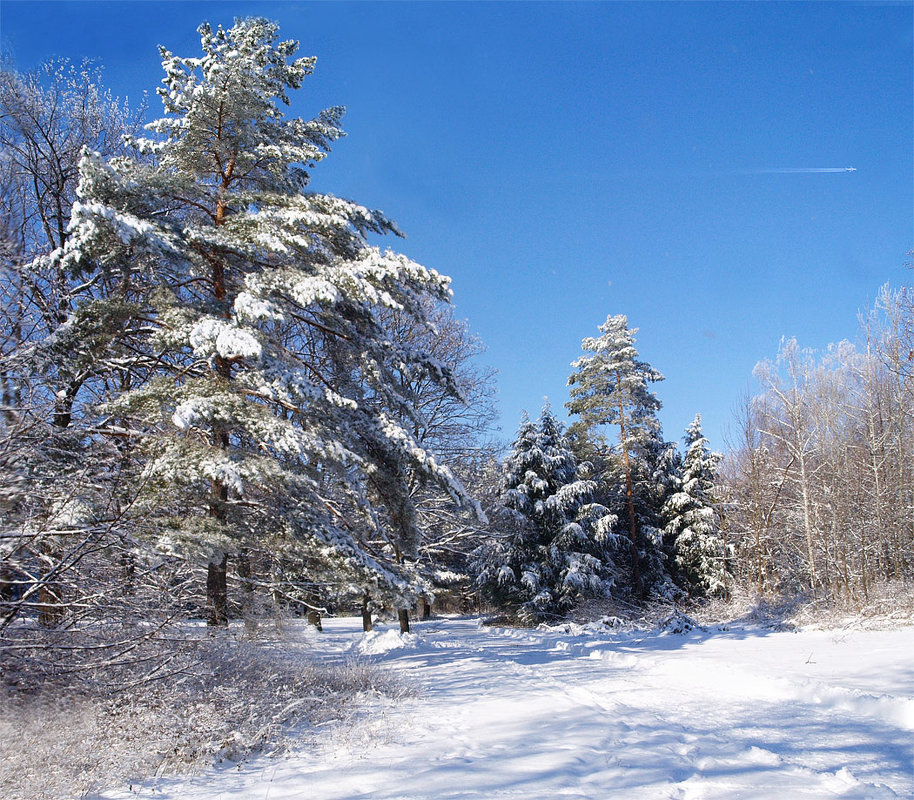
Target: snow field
x,y
595,713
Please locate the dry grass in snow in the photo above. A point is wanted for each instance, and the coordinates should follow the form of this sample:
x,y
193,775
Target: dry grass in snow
x,y
234,697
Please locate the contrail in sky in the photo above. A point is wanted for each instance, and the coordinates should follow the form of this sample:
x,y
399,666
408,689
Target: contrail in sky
x,y
792,170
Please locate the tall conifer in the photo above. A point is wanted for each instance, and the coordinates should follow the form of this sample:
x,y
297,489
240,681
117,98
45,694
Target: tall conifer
x,y
270,418
610,387
694,522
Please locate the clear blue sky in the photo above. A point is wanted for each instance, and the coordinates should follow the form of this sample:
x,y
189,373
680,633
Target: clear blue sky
x,y
567,161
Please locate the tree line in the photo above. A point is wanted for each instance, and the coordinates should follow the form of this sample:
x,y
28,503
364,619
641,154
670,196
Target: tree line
x,y
607,508
818,485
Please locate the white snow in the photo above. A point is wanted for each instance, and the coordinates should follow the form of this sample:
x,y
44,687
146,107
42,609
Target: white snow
x,y
212,336
377,642
594,712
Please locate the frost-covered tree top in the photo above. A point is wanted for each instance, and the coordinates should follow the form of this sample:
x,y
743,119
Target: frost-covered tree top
x,y
277,381
224,105
540,466
610,384
693,524
698,471
699,464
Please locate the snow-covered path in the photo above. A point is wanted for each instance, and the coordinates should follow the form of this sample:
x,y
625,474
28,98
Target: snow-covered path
x,y
506,713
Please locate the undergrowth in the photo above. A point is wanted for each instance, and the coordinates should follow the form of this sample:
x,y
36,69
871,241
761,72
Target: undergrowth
x,y
232,698
887,605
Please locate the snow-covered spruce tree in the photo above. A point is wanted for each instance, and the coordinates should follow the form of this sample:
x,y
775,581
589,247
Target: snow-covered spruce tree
x,y
544,557
693,527
268,423
609,387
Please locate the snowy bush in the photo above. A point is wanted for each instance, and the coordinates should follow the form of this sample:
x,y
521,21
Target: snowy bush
x,y
378,642
678,623
888,605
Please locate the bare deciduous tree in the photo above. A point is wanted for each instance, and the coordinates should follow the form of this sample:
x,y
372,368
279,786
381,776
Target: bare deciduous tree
x,y
820,482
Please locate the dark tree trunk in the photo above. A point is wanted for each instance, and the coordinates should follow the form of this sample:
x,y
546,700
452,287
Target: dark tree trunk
x,y
247,590
128,572
426,608
217,593
366,615
63,405
50,609
62,414
629,494
8,578
216,584
403,614
313,613
50,591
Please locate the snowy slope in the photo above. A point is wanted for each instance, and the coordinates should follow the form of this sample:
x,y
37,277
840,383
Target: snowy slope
x,y
507,713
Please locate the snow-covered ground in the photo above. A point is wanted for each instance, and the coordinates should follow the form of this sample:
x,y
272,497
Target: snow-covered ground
x,y
598,713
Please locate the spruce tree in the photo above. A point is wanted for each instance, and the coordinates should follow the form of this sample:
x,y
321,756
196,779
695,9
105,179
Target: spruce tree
x,y
270,419
545,556
693,526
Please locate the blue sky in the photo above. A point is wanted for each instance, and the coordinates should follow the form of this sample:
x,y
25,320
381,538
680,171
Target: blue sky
x,y
567,161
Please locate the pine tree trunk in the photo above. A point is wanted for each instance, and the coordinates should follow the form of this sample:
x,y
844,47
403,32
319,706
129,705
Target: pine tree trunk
x,y
629,494
50,611
366,615
403,615
247,591
216,583
128,573
426,608
7,584
313,612
50,591
278,603
217,593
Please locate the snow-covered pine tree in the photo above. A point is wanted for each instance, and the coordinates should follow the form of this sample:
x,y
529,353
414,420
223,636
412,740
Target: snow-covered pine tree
x,y
268,421
693,526
545,558
610,387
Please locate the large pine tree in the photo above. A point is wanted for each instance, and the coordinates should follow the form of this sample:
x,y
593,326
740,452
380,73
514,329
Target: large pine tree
x,y
274,415
610,388
546,554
